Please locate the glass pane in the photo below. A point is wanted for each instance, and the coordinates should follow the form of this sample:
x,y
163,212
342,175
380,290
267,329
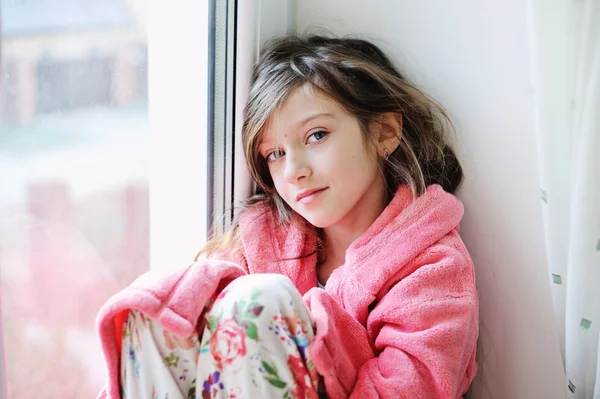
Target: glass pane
x,y
74,150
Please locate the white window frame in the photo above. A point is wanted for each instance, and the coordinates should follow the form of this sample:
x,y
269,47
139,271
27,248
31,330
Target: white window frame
x,y
198,168
178,48
3,367
258,21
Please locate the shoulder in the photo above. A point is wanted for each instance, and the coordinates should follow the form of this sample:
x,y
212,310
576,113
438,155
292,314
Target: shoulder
x,y
442,269
449,262
259,215
438,289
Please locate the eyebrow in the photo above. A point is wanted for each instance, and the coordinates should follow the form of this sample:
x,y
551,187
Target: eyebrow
x,y
314,116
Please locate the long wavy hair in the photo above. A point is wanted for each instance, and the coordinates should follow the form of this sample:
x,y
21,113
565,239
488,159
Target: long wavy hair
x,y
363,80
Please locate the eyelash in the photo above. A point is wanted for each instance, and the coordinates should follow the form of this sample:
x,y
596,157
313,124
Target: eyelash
x,y
268,156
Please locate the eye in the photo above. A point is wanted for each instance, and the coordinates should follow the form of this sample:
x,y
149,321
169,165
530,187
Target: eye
x,y
317,136
274,155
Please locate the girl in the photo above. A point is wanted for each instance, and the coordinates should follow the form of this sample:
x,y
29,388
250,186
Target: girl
x,y
344,276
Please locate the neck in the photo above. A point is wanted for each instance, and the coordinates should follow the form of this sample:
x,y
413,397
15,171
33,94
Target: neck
x,y
340,236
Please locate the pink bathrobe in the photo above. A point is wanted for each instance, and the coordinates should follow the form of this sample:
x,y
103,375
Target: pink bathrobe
x,y
398,320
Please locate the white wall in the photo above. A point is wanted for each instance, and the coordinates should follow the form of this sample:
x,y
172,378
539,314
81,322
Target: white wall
x,y
473,57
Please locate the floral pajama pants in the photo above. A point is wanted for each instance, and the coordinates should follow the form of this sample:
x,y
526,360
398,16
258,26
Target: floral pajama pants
x,y
254,345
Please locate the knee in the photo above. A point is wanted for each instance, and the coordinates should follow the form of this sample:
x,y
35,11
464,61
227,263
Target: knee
x,y
273,286
267,281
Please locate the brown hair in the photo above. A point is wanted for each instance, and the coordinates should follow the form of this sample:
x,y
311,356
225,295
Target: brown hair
x,y
362,79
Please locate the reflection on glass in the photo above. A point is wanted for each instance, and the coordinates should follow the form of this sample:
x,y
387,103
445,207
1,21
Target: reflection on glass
x,y
74,148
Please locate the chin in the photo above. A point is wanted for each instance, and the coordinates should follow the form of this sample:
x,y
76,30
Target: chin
x,y
320,221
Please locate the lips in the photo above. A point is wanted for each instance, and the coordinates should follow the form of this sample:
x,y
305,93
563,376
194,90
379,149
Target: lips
x,y
307,193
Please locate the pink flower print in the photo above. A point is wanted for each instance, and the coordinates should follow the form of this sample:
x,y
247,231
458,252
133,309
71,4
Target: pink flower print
x,y
227,343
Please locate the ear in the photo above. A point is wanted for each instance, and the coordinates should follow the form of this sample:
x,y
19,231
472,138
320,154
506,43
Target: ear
x,y
387,132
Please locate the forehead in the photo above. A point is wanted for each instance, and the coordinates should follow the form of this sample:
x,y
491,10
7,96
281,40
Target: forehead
x,y
303,105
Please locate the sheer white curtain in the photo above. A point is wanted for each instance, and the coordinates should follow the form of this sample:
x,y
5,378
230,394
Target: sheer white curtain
x,y
566,75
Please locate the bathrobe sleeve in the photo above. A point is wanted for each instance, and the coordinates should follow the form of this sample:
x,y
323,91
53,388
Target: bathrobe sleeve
x,y
425,330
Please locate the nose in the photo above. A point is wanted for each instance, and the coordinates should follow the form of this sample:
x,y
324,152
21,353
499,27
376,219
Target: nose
x,y
296,167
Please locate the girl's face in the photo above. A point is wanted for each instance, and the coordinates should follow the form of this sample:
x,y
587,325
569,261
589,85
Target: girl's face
x,y
319,161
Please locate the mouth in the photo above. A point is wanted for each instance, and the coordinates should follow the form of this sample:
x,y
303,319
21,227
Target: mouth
x,y
308,195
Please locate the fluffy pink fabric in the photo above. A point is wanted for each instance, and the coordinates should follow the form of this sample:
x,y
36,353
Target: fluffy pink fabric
x,y
398,319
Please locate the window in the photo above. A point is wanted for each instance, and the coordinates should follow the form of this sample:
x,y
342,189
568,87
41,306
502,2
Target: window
x,y
103,165
119,143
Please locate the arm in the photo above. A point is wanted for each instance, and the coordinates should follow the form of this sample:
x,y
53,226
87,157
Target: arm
x,y
426,331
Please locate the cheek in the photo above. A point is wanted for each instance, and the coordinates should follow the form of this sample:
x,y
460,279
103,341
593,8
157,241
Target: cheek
x,y
278,182
355,168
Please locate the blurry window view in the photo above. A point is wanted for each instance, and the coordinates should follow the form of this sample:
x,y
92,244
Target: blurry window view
x,y
74,150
